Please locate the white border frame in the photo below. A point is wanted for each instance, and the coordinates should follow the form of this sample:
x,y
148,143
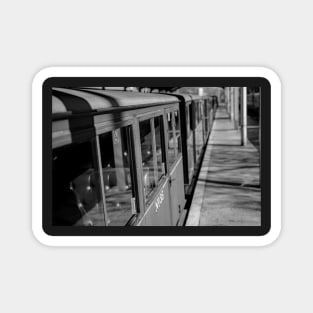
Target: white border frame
x,y
156,240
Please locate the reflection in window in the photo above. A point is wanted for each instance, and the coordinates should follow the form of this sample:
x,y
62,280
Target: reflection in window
x,y
76,195
147,156
174,136
171,143
196,113
159,153
190,141
199,109
151,152
177,131
199,130
117,179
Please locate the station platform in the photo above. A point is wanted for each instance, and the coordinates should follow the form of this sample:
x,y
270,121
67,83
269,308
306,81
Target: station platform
x,y
228,188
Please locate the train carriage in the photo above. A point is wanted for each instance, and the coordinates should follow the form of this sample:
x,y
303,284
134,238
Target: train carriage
x,y
197,115
124,158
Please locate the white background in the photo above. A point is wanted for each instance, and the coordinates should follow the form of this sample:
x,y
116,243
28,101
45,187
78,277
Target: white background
x,y
37,34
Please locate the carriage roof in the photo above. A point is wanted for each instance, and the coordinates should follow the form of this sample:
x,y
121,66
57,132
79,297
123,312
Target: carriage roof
x,y
87,100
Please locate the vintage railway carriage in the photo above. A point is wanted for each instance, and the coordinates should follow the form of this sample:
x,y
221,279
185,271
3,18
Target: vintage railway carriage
x,y
117,158
125,158
197,115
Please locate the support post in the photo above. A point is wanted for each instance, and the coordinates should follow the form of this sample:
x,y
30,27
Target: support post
x,y
229,101
232,103
244,116
226,98
236,104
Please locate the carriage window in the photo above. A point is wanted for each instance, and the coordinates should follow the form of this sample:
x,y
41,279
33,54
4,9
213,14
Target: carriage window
x,y
171,139
190,151
177,131
76,192
158,126
174,136
199,130
152,153
199,117
196,113
147,156
115,149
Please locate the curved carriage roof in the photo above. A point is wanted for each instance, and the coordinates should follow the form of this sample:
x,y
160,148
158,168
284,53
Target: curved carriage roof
x,y
185,96
88,100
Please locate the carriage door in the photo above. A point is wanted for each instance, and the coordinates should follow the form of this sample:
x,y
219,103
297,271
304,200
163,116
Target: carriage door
x,y
119,182
175,162
155,180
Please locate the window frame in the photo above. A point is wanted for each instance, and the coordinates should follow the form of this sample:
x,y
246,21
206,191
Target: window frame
x,y
147,200
199,140
206,118
177,154
102,129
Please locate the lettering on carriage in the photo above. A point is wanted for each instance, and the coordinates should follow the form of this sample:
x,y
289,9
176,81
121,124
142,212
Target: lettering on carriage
x,y
159,201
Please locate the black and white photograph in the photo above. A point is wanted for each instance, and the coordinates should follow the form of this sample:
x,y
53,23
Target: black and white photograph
x,y
156,156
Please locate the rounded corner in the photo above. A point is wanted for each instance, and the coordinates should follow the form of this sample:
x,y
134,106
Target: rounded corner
x,y
42,76
271,236
42,236
271,76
